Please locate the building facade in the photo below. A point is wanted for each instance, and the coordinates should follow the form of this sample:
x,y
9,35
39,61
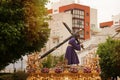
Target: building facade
x,y
106,24
58,33
80,18
76,16
116,20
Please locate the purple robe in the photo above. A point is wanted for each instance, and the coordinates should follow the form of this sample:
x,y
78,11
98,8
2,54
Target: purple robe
x,y
70,54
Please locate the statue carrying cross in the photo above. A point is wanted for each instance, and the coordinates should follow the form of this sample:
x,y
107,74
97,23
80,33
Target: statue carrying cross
x,y
54,48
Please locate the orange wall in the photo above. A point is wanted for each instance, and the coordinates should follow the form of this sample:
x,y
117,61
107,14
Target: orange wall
x,y
106,24
87,18
86,9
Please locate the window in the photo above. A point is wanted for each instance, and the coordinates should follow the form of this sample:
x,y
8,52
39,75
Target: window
x,y
78,18
78,23
68,11
116,22
87,32
78,12
87,14
81,16
55,10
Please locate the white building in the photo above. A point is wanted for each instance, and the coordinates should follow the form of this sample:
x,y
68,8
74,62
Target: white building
x,y
116,20
93,19
58,32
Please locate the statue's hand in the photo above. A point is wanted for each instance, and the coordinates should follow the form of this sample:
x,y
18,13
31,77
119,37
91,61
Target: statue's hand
x,y
82,46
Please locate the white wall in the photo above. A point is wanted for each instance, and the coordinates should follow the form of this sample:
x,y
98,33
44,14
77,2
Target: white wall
x,y
58,30
93,18
116,20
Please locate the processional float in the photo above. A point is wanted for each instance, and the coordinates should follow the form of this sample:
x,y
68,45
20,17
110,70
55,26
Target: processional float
x,y
73,73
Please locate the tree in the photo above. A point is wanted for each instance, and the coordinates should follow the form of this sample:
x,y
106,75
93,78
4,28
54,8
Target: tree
x,y
23,29
109,53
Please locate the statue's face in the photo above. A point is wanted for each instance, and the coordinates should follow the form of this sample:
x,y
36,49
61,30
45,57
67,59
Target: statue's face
x,y
77,36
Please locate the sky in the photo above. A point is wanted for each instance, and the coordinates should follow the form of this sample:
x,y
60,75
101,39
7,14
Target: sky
x,y
105,8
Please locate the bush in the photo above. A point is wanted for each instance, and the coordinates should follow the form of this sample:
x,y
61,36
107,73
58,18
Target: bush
x,y
6,77
19,75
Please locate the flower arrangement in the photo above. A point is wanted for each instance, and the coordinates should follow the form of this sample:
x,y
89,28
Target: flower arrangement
x,y
97,70
87,70
58,70
73,69
45,70
30,69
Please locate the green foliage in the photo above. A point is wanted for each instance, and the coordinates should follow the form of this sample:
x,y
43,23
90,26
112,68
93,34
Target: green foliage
x,y
11,27
109,53
19,75
52,61
47,62
23,29
6,77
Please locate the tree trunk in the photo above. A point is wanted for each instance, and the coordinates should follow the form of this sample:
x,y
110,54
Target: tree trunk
x,y
114,78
